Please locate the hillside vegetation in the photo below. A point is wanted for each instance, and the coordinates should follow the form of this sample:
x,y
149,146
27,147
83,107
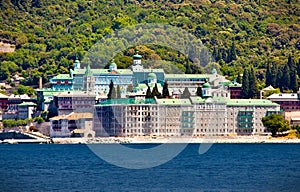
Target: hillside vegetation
x,y
50,34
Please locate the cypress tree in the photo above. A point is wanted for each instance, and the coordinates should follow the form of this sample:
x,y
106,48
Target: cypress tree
x,y
239,79
293,74
279,77
269,76
231,53
253,89
245,84
274,71
111,87
148,93
286,78
186,93
294,82
165,91
199,91
155,91
298,68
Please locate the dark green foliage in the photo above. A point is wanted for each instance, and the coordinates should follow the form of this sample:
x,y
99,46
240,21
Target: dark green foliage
x,y
199,91
49,35
165,91
239,79
286,78
298,68
186,93
275,123
25,90
148,93
245,84
155,92
253,89
111,93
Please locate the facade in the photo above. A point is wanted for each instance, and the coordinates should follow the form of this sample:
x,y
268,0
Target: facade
x,y
64,125
73,101
3,102
98,80
26,110
287,101
182,117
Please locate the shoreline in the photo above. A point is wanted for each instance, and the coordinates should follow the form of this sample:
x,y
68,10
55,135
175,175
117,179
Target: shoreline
x,y
173,140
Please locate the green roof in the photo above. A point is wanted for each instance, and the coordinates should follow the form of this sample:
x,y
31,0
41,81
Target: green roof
x,y
206,85
187,76
250,102
152,75
125,101
235,85
137,56
102,71
173,102
62,77
197,99
48,91
27,104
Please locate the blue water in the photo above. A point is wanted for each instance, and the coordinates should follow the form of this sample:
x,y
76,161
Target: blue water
x,y
225,167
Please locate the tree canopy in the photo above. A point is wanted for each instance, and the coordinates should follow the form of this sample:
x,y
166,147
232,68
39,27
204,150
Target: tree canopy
x,y
275,123
49,35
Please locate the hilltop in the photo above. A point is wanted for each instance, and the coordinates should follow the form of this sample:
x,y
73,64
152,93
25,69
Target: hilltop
x,y
49,35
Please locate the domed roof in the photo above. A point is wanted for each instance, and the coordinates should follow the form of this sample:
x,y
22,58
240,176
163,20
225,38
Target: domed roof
x,y
113,64
152,75
214,71
76,61
137,56
206,85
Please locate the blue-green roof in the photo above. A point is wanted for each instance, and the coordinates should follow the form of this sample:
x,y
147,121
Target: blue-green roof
x,y
173,102
62,77
250,102
27,104
126,101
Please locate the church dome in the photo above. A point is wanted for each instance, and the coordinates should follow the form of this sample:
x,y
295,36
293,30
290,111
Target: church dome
x,y
152,75
137,56
206,85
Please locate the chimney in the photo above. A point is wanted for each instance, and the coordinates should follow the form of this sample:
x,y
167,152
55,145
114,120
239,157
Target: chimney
x,y
40,83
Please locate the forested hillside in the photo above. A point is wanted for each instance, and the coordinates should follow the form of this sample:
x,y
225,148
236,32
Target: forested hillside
x,y
50,34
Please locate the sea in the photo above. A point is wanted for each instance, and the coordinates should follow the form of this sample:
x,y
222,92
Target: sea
x,y
223,167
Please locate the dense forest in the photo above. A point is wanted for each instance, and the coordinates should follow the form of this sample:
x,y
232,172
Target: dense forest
x,y
240,34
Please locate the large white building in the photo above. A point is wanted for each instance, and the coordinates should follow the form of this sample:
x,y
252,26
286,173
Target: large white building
x,y
179,117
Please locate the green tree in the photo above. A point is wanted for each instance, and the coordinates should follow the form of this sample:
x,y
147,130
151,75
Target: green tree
x,y
286,78
110,92
148,93
253,89
245,84
199,91
231,53
186,93
165,91
275,123
22,89
155,92
239,78
269,76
